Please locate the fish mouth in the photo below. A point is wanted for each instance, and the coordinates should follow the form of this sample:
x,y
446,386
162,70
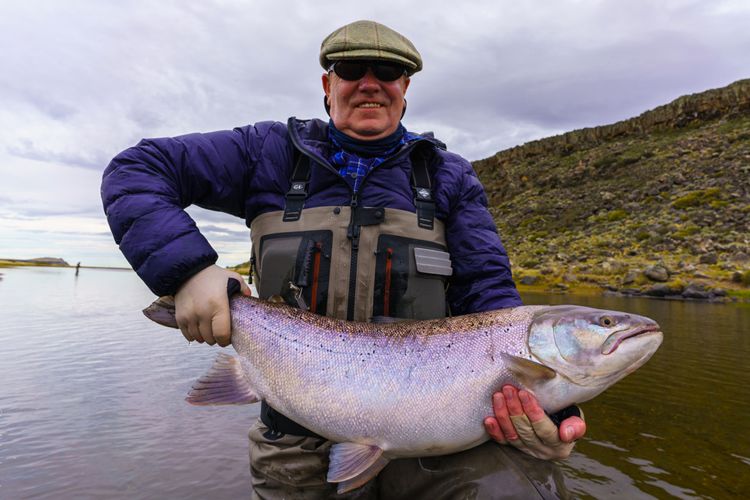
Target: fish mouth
x,y
614,340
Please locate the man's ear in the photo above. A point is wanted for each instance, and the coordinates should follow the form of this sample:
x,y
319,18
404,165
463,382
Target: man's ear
x,y
327,85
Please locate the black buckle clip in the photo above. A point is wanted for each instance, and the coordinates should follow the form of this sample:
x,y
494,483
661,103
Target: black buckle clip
x,y
295,201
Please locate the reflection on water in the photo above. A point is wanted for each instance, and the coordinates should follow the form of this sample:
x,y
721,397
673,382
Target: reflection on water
x,y
677,427
92,401
92,398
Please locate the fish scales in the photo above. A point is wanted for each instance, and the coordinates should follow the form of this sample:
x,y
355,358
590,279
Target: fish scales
x,y
361,371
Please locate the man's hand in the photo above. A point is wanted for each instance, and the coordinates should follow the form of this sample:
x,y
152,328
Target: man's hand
x,y
521,422
202,306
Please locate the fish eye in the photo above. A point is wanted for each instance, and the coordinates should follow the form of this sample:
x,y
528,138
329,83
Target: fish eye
x,y
606,321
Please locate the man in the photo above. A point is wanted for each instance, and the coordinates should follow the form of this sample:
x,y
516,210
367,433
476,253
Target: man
x,y
341,216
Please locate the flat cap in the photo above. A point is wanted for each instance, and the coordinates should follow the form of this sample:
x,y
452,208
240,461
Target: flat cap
x,y
369,40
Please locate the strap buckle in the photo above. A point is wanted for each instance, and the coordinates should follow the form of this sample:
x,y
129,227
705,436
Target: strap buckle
x,y
295,200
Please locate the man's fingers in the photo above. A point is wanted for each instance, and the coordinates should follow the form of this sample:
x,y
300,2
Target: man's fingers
x,y
500,408
195,333
547,431
511,399
493,429
245,288
186,333
572,428
222,328
531,407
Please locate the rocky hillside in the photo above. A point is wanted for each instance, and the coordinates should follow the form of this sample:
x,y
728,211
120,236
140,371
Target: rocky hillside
x,y
657,204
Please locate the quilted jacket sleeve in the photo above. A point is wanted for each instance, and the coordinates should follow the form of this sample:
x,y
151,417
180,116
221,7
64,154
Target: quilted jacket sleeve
x,y
482,279
146,188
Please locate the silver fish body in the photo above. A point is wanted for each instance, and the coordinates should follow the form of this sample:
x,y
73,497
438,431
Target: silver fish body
x,y
392,390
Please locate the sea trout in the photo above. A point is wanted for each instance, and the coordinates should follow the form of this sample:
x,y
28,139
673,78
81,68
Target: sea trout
x,y
390,390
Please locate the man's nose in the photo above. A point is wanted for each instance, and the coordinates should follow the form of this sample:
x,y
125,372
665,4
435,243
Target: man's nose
x,y
369,81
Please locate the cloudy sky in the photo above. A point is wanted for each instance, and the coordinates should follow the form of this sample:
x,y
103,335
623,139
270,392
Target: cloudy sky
x,y
81,80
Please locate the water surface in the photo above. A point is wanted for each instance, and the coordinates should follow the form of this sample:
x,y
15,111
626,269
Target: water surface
x,y
92,401
678,426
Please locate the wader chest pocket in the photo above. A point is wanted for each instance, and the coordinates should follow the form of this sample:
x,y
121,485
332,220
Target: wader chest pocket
x,y
410,278
295,266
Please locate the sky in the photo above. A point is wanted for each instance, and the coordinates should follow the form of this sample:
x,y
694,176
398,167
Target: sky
x,y
81,81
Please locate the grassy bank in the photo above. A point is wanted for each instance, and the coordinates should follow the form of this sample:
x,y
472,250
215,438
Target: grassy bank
x,y
662,206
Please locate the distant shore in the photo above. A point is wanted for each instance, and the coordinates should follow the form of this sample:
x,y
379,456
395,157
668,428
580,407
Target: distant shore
x,y
42,263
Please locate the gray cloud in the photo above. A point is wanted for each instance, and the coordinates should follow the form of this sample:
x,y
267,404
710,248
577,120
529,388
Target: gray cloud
x,y
84,79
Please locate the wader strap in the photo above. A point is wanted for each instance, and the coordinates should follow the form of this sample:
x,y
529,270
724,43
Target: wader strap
x,y
281,424
297,194
422,187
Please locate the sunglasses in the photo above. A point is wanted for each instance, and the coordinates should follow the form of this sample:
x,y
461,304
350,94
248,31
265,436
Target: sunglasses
x,y
354,70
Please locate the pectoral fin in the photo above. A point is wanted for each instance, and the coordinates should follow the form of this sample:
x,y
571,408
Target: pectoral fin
x,y
354,464
530,373
224,384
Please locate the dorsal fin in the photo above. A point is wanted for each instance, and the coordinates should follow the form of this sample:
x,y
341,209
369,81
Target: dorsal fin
x,y
389,319
276,299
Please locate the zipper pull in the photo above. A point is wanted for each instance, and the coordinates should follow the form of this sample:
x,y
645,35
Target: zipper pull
x,y
298,297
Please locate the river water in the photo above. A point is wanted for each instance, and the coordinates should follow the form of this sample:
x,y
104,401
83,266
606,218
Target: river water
x,y
92,401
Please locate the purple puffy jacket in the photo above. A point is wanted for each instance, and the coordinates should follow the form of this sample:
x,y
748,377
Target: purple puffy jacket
x,y
245,172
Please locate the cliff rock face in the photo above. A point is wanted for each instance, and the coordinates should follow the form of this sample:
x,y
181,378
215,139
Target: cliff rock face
x,y
671,185
727,102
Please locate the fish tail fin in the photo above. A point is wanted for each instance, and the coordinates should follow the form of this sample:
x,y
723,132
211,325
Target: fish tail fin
x,y
162,311
225,383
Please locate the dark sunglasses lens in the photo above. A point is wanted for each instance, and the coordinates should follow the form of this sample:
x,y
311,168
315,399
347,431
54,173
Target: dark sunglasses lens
x,y
350,71
353,71
387,73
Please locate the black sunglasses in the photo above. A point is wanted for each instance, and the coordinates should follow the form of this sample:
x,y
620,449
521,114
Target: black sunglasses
x,y
354,70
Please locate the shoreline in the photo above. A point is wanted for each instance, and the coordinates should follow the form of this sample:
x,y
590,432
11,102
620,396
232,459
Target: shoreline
x,y
639,295
22,263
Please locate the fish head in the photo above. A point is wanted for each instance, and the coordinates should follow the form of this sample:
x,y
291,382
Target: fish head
x,y
592,347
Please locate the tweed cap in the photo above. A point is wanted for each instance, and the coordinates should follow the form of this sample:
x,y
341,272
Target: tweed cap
x,y
369,40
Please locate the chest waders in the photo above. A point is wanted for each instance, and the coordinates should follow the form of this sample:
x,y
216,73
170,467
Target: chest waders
x,y
351,262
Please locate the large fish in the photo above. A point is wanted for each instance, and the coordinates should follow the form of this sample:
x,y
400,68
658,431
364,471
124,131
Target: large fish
x,y
412,389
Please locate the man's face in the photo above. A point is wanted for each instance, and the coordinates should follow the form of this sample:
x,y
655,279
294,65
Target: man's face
x,y
366,109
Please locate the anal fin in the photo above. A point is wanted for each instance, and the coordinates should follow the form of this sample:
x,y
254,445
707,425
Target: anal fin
x,y
364,476
224,384
349,460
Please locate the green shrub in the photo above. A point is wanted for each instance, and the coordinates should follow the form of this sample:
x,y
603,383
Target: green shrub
x,y
684,232
538,235
617,215
691,199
